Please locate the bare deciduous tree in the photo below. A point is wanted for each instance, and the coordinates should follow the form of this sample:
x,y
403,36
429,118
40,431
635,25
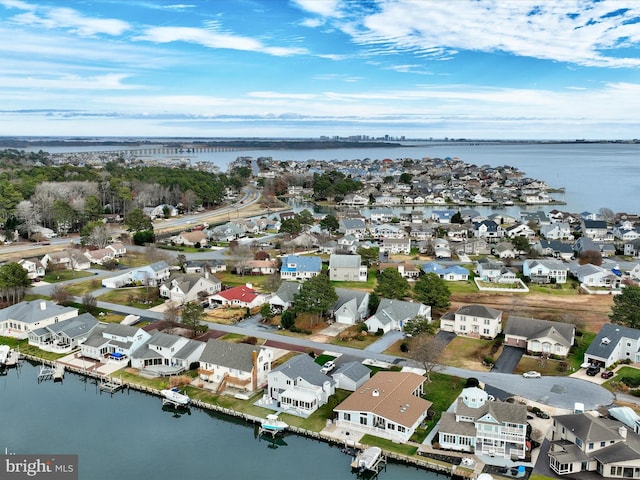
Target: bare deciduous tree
x,y
426,349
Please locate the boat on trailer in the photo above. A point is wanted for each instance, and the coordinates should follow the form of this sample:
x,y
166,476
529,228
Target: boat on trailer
x,y
174,397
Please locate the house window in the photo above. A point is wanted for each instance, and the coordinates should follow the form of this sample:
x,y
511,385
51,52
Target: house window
x,y
487,321
363,419
590,447
578,442
347,416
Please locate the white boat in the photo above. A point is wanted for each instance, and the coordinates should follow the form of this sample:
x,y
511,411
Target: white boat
x,y
174,396
367,459
4,354
273,423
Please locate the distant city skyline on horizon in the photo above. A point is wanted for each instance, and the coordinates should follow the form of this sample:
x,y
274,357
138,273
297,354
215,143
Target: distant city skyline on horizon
x,y
509,70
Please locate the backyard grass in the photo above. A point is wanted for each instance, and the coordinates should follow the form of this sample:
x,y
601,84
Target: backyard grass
x,y
462,287
462,351
80,288
442,391
23,347
367,286
259,282
389,446
545,367
569,288
64,275
576,354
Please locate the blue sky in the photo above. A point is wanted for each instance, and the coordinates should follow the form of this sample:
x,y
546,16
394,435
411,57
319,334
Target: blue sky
x,y
510,69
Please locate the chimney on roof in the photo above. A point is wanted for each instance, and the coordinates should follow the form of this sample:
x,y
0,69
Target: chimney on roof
x,y
622,430
43,305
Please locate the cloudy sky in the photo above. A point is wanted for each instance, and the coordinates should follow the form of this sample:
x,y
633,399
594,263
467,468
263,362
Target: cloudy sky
x,y
511,69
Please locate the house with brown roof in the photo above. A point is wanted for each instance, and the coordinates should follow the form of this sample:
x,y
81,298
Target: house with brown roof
x,y
389,405
190,239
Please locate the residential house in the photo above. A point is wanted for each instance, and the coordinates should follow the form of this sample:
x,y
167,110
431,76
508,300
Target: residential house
x,y
545,271
406,269
474,246
152,275
632,248
539,337
595,276
164,354
257,267
119,249
441,248
298,387
242,296
520,230
596,230
582,442
100,256
389,405
388,231
18,320
395,246
226,232
351,376
473,320
113,342
614,343
393,314
351,307
34,267
283,299
298,267
442,216
184,288
489,271
381,215
454,273
239,366
554,248
347,268
196,238
69,258
556,231
504,250
489,230
353,226
65,335
484,427
201,266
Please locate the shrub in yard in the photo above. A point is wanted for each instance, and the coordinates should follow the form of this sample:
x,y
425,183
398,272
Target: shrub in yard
x,y
404,347
379,332
488,361
632,382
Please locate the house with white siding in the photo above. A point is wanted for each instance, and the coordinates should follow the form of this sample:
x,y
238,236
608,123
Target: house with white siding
x,y
347,268
614,343
164,354
545,271
473,320
393,314
113,342
18,320
539,337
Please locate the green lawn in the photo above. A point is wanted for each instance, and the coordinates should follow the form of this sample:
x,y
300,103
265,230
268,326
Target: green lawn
x,y
442,392
569,288
132,297
80,288
369,285
576,355
63,275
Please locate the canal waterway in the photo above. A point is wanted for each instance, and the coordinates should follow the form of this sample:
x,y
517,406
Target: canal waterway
x,y
128,435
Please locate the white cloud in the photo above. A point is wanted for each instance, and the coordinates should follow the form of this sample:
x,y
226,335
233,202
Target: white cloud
x,y
67,82
569,31
212,39
72,20
325,8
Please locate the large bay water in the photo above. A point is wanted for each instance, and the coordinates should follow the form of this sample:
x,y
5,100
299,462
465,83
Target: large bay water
x,y
595,175
129,436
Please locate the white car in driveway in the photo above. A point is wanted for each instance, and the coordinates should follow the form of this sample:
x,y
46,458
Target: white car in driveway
x,y
531,374
328,367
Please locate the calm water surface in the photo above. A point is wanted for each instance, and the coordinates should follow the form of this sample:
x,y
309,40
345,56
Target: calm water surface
x,y
129,436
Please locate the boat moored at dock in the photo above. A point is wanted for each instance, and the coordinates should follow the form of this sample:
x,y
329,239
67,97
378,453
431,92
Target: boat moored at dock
x,y
175,398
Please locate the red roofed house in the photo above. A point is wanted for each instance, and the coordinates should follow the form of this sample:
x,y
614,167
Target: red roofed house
x,y
242,296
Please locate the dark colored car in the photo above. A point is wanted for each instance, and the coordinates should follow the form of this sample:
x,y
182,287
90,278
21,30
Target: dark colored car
x,y
593,370
541,414
607,374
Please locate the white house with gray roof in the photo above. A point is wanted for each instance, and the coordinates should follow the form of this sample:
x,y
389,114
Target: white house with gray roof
x,y
539,337
240,366
473,320
184,288
113,342
149,275
612,344
18,320
393,314
351,376
545,271
347,268
283,299
478,424
582,442
63,336
299,387
351,307
165,354
353,226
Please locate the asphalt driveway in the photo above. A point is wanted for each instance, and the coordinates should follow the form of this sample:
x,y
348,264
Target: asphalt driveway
x,y
508,360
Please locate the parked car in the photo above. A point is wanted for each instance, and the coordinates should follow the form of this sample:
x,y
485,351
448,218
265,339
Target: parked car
x,y
607,374
327,367
531,374
593,370
541,414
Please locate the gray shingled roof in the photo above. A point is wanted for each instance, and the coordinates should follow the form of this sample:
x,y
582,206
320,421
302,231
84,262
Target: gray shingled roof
x,y
303,366
238,356
287,291
614,333
345,295
353,370
395,310
503,412
32,312
344,261
479,311
76,326
531,328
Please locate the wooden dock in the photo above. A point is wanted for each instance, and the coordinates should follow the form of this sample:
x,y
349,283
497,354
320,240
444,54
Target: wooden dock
x,y
45,373
110,385
58,373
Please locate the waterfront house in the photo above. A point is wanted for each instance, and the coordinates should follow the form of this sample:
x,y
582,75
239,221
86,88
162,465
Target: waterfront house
x,y
347,268
113,342
483,426
298,267
545,271
473,320
65,335
614,343
389,405
18,320
583,442
238,366
351,376
298,386
351,307
539,337
393,314
242,296
283,299
164,354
